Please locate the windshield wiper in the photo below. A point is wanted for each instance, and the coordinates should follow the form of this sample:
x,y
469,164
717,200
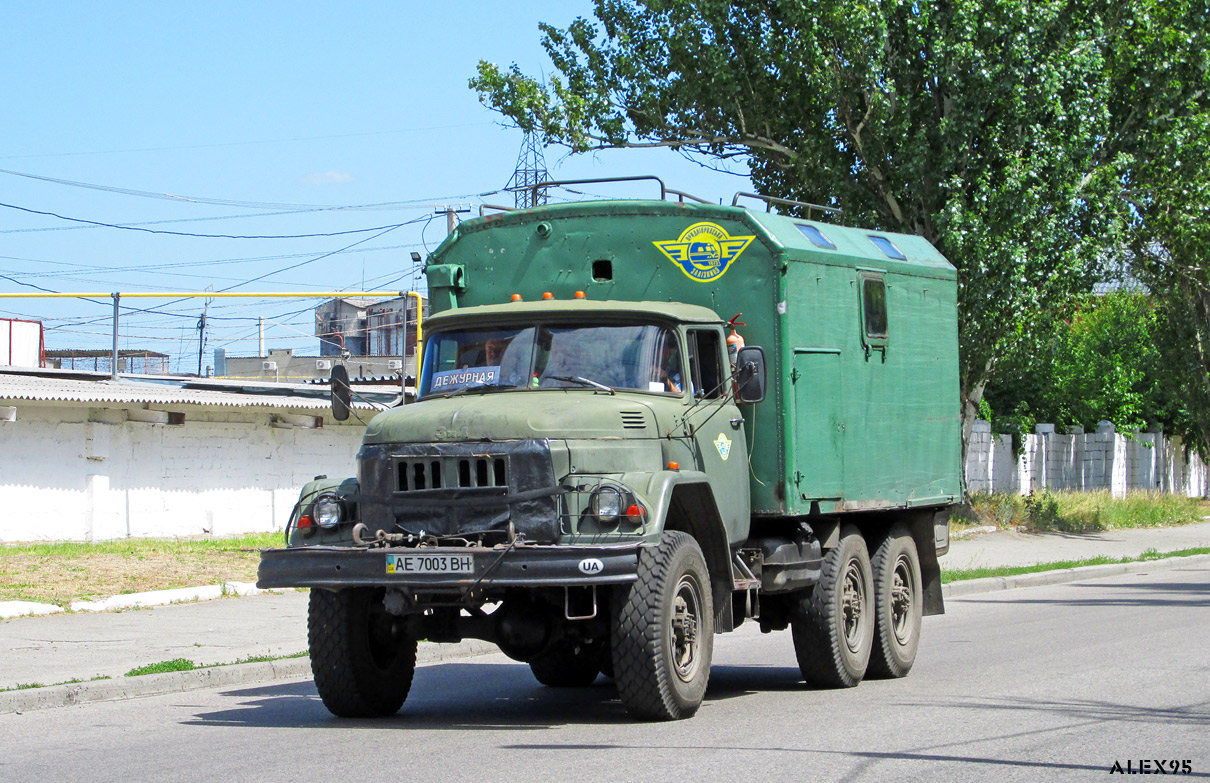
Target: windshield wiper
x,y
582,382
478,387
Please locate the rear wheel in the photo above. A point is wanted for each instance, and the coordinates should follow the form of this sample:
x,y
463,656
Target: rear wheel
x,y
896,565
833,623
362,657
569,664
663,632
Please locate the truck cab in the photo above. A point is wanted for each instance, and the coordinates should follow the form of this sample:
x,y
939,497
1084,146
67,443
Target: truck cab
x,y
591,479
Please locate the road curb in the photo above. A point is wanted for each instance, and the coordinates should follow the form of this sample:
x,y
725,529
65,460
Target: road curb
x,y
35,699
1063,575
180,595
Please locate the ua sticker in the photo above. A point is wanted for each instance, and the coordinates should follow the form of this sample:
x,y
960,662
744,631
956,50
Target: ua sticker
x,y
591,565
723,445
704,250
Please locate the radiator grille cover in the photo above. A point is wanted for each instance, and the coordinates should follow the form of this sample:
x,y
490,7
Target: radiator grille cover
x,y
460,489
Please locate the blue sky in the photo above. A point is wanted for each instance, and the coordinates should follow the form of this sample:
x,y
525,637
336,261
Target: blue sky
x,y
233,118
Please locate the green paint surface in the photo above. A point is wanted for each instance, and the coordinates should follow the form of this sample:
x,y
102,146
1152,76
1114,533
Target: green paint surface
x,y
851,422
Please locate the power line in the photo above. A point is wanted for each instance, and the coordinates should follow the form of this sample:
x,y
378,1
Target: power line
x,y
386,230
237,285
203,236
290,208
183,264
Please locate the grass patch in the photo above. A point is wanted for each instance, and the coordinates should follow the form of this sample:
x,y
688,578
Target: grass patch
x,y
175,665
962,575
1080,512
63,572
30,685
185,665
264,658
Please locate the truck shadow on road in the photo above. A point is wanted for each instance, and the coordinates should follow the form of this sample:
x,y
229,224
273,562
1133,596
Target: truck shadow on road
x,y
478,696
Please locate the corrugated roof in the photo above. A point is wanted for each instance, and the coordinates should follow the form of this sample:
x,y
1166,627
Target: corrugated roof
x,y
95,388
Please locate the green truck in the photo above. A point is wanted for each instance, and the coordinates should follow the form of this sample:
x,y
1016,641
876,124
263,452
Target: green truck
x,y
606,463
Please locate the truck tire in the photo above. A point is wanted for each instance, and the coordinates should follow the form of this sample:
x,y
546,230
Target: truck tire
x,y
568,665
663,632
833,623
361,656
897,604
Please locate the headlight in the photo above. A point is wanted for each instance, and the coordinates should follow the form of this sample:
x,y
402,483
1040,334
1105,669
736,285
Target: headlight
x,y
327,511
608,505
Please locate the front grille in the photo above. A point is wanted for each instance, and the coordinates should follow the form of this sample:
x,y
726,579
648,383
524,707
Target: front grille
x,y
633,420
460,489
419,474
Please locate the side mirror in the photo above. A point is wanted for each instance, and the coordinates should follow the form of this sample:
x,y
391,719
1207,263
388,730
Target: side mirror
x,y
342,397
750,374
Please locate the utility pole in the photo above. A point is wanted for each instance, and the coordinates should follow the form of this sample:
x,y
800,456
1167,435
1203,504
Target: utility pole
x,y
201,341
450,211
113,359
201,333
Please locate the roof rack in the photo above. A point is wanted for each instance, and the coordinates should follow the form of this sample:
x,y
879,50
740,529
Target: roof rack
x,y
771,200
665,191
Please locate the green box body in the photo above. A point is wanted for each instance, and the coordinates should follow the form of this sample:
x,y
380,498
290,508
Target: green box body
x,y
852,422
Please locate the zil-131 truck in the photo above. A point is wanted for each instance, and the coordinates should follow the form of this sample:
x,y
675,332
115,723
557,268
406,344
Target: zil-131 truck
x,y
604,466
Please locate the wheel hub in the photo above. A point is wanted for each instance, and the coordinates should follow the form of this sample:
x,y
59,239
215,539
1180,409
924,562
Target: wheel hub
x,y
684,635
901,600
853,607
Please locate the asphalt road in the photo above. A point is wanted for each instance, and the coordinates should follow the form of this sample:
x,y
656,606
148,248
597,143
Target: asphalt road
x,y
1026,685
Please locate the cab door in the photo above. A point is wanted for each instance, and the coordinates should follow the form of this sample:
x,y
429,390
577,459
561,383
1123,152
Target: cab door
x,y
718,427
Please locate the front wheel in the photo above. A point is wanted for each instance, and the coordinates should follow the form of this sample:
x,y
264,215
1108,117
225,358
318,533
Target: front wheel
x,y
833,623
663,632
362,656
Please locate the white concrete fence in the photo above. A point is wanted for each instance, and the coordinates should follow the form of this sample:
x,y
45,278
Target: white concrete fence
x,y
70,473
1078,460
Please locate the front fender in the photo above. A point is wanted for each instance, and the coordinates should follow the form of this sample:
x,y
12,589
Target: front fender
x,y
684,500
661,487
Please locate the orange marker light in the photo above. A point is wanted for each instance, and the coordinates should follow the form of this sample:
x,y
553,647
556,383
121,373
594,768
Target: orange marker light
x,y
548,295
516,297
304,522
635,511
674,466
580,295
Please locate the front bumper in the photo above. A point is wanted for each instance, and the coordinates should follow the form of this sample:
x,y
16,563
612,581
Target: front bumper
x,y
521,565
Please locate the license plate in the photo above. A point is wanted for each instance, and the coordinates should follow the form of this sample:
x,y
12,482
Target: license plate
x,y
430,564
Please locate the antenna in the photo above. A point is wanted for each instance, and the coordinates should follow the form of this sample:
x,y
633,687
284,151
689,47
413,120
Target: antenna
x,y
531,169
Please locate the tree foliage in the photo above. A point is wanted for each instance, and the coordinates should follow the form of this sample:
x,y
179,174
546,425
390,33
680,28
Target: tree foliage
x,y
1004,132
1099,358
1168,187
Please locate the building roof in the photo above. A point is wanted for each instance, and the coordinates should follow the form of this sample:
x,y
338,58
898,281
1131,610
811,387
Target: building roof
x,y
89,387
101,353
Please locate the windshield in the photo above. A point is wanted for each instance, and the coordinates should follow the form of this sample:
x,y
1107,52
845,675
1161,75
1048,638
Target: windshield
x,y
640,357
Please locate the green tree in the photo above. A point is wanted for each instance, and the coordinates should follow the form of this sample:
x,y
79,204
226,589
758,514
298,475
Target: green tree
x,y
1168,186
1097,359
1000,131
1171,247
